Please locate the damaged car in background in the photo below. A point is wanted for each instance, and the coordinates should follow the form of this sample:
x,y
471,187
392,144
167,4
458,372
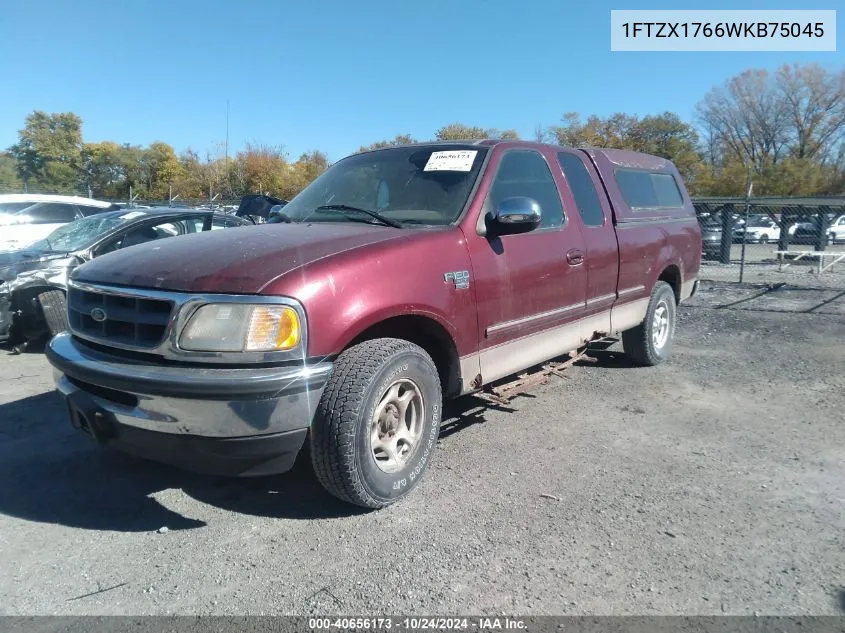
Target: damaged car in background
x,y
33,281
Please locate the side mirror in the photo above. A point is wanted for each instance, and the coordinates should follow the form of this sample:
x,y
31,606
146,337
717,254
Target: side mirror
x,y
516,215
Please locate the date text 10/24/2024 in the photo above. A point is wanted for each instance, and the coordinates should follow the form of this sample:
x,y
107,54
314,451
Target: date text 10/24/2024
x,y
417,624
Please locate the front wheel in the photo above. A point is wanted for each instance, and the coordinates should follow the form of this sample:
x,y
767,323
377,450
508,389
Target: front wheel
x,y
650,343
764,239
54,308
377,423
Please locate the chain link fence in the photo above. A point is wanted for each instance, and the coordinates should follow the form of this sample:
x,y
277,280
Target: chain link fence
x,y
747,237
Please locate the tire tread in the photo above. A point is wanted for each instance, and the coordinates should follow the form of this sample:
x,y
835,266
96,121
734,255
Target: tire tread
x,y
333,454
637,341
54,308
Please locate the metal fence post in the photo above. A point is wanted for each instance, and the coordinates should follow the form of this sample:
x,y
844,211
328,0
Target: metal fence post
x,y
745,230
821,229
727,233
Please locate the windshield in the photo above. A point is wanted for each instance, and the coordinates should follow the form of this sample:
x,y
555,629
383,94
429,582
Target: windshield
x,y
426,185
78,234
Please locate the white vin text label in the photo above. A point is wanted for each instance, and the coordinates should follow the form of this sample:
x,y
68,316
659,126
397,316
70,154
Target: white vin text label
x,y
458,160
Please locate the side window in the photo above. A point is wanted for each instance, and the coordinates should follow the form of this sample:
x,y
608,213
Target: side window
x,y
648,190
143,234
51,213
225,223
195,224
583,189
525,173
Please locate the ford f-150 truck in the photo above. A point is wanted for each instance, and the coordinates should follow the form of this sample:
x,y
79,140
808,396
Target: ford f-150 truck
x,y
398,277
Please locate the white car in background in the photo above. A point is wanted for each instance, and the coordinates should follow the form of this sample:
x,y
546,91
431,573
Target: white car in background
x,y
837,230
759,232
26,218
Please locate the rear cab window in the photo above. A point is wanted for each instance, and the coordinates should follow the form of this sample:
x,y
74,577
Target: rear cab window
x,y
643,189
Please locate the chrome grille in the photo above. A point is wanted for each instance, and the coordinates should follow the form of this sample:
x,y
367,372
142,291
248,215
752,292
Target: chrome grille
x,y
139,322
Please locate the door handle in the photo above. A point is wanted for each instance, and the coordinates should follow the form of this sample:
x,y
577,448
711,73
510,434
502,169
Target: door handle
x,y
575,257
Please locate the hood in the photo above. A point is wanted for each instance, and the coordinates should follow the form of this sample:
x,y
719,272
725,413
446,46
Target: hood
x,y
18,237
241,260
13,263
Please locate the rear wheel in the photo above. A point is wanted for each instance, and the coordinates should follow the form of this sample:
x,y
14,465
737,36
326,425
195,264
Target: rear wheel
x,y
377,423
54,308
650,343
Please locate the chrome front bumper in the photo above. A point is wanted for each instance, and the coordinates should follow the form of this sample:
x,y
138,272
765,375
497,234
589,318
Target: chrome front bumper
x,y
236,402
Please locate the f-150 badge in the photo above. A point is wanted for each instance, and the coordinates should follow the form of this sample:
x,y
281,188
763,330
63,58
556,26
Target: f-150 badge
x,y
459,277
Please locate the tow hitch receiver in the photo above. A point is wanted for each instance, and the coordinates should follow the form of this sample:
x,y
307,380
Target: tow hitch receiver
x,y
87,417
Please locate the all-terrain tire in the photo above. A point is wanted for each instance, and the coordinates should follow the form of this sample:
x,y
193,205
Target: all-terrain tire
x,y
53,306
647,343
341,437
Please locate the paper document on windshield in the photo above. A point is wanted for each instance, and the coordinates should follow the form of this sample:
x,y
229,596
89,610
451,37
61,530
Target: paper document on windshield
x,y
455,160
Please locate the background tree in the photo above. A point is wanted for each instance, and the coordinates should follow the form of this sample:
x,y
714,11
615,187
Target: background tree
x,y
103,169
49,150
461,132
163,169
399,139
785,128
304,171
9,179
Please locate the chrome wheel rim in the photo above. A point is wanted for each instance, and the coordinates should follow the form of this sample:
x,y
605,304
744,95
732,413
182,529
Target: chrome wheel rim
x,y
397,425
660,325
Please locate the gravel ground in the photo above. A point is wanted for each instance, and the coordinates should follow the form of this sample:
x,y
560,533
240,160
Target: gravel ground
x,y
713,484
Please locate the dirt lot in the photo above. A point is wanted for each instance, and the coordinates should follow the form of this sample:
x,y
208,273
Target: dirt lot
x,y
712,484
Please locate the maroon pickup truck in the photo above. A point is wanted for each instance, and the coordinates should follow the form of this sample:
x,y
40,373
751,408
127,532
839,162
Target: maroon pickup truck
x,y
397,278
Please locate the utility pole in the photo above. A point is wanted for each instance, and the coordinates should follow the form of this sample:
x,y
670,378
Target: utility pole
x,y
227,133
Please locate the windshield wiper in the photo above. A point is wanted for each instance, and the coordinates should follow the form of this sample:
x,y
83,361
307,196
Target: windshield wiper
x,y
372,214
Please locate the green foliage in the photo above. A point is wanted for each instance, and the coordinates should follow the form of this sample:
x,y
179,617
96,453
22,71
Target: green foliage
x,y
399,139
461,132
9,178
49,148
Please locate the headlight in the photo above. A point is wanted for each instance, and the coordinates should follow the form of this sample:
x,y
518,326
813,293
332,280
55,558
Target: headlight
x,y
235,327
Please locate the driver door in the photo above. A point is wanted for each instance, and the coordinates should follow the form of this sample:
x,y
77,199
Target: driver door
x,y
529,287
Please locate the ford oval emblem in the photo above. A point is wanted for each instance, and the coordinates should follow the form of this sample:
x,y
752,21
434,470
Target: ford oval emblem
x,y
99,315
